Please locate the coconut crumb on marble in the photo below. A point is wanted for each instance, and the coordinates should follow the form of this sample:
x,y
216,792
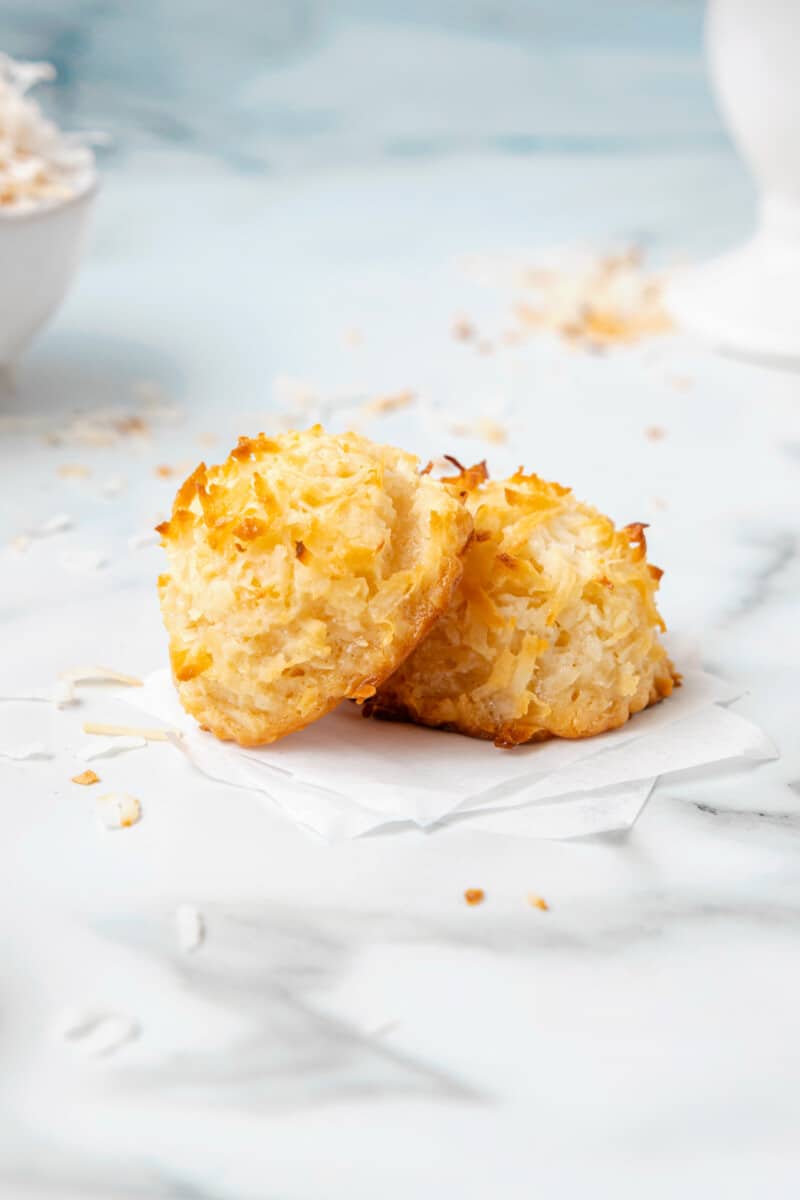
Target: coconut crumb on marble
x,y
96,674
391,402
463,330
86,778
655,433
63,692
55,524
484,428
109,747
118,810
96,1034
74,471
538,902
474,896
103,729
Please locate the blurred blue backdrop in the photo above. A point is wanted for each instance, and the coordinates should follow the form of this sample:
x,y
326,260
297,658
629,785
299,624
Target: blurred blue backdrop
x,y
275,85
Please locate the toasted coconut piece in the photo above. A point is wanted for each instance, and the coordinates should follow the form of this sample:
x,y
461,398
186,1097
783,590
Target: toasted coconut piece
x,y
553,630
302,571
118,810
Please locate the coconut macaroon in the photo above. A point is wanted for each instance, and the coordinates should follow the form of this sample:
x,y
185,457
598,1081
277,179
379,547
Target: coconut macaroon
x,y
303,570
553,630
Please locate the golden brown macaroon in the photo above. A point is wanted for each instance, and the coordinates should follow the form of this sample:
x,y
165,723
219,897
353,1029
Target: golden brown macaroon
x,y
553,630
303,570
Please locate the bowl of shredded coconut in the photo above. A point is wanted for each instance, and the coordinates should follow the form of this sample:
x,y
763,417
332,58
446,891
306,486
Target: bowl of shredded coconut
x,y
47,186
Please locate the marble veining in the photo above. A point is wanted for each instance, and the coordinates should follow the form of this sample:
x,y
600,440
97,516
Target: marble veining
x,y
349,1027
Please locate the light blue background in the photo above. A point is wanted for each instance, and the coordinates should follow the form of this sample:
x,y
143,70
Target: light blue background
x,y
269,86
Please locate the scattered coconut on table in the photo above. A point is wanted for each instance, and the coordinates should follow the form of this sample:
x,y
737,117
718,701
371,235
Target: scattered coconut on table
x,y
118,810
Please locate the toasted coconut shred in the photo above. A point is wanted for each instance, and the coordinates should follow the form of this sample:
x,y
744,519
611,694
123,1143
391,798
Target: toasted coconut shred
x,y
64,688
591,301
474,896
538,902
118,810
86,778
127,731
38,163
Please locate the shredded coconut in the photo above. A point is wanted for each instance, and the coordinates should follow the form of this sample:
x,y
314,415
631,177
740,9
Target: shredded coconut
x,y
99,675
38,163
97,1033
149,735
390,402
74,471
56,524
108,747
118,810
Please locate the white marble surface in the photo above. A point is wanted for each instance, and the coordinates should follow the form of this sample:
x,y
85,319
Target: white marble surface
x,y
349,1027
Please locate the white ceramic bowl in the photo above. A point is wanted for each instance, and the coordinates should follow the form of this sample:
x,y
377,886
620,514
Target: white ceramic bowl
x,y
40,250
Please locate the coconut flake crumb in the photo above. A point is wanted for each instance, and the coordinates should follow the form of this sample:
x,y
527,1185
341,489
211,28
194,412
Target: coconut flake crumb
x,y
63,693
463,330
86,778
655,433
74,471
38,163
538,902
149,735
591,301
596,302
57,524
190,927
484,428
100,675
390,402
108,747
24,751
474,896
118,810
97,1034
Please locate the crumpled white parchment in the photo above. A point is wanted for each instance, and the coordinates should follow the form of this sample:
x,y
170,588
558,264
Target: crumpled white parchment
x,y
345,776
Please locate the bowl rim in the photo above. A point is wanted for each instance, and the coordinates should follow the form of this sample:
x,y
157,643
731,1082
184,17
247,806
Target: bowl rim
x,y
39,211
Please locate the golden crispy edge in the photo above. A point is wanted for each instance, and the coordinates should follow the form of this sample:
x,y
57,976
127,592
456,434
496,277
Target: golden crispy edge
x,y
387,707
207,710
